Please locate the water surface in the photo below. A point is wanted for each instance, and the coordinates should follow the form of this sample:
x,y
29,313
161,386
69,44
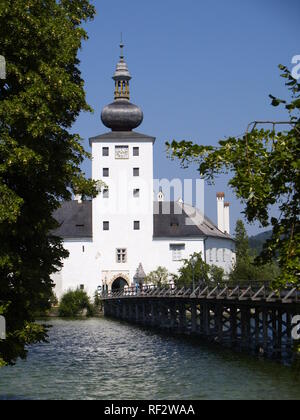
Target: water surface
x,y
103,359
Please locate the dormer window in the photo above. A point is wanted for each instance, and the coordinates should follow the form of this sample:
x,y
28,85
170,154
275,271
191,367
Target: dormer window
x,y
174,225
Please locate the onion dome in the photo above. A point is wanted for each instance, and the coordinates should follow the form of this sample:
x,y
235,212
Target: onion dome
x,y
121,115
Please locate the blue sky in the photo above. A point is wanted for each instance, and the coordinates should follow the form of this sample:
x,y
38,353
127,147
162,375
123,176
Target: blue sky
x,y
202,70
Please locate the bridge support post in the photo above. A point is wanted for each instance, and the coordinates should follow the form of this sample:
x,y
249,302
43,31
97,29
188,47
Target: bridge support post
x,y
274,332
233,325
206,319
118,311
144,320
130,312
123,311
278,344
182,317
194,317
201,319
219,322
265,328
164,316
257,329
137,313
173,316
289,330
247,320
154,320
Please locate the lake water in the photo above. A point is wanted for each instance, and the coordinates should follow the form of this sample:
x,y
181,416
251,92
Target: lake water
x,y
103,359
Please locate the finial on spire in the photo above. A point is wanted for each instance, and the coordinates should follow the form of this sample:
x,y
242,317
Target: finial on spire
x,y
122,77
122,47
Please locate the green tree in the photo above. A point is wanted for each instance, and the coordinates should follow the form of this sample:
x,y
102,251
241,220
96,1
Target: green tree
x,y
194,270
216,274
98,304
74,303
242,241
265,169
246,271
159,277
39,157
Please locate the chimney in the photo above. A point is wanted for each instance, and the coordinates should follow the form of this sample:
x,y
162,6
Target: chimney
x,y
227,218
220,205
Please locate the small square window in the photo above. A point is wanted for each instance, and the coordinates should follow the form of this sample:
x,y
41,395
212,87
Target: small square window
x,y
105,172
136,171
106,193
121,256
136,225
177,251
105,151
81,287
105,225
136,193
136,151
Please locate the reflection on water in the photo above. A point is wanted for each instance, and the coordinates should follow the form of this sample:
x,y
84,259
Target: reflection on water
x,y
103,359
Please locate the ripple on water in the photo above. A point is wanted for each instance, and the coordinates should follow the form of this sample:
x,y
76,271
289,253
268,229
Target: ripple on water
x,y
102,359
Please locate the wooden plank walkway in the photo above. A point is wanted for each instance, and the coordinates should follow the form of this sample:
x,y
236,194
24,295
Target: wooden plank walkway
x,y
252,318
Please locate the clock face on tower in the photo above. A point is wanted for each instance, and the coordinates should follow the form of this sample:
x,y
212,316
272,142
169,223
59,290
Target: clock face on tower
x,y
122,152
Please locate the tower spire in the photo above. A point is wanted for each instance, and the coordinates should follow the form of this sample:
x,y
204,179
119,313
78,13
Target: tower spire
x,y
122,115
122,76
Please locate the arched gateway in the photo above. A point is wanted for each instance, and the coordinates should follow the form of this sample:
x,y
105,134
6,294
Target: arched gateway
x,y
119,284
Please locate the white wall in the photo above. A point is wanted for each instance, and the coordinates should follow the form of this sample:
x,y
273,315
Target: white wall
x,y
90,268
81,268
121,209
220,252
162,254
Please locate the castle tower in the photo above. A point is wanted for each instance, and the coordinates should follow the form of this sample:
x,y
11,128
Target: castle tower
x,y
123,211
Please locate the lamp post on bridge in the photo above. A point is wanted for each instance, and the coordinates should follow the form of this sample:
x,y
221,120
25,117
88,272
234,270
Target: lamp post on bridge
x,y
193,264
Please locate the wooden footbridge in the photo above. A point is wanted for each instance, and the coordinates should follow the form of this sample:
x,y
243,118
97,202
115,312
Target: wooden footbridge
x,y
253,318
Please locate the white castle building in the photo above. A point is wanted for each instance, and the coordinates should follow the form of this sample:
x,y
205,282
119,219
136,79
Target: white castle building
x,y
123,233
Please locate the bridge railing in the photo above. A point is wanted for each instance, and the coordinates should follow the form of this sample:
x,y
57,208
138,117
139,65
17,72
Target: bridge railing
x,y
253,292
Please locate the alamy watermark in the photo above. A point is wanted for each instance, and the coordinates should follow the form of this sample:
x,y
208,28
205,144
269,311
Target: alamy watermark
x,y
296,68
2,328
2,67
134,196
296,327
